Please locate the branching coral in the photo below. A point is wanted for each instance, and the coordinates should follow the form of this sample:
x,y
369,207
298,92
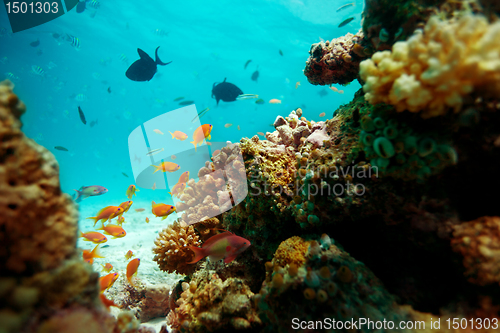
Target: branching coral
x,y
478,242
336,61
436,68
171,251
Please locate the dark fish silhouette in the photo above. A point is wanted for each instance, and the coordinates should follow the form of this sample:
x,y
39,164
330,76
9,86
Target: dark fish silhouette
x,y
345,22
56,35
281,53
255,76
109,90
93,123
80,8
60,148
225,91
145,68
35,43
123,173
82,116
186,103
322,93
246,63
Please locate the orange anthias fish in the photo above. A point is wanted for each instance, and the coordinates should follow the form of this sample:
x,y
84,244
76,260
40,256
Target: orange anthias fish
x,y
89,256
131,191
147,219
140,209
107,302
322,114
225,246
181,136
157,131
297,84
162,210
107,268
94,237
107,281
275,101
129,254
200,134
120,220
167,167
107,213
132,267
126,206
178,189
183,178
113,230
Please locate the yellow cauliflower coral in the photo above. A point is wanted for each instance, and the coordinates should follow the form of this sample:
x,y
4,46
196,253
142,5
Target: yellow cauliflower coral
x,y
436,67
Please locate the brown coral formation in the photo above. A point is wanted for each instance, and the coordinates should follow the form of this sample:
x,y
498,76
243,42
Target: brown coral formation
x,y
208,303
437,68
144,301
478,242
171,251
336,61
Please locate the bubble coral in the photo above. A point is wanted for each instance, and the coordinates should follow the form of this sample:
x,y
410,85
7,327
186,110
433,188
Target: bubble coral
x,y
478,242
171,251
436,68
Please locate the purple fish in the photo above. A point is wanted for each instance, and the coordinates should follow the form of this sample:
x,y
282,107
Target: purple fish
x,y
89,191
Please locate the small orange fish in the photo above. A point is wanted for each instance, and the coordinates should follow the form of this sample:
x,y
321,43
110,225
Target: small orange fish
x,y
173,157
260,133
183,178
140,209
181,136
274,101
334,89
107,302
154,186
166,167
89,256
228,125
107,281
297,84
239,127
341,92
178,189
132,267
322,114
113,230
162,210
129,254
147,219
158,131
126,206
107,213
94,237
107,268
200,134
120,220
131,191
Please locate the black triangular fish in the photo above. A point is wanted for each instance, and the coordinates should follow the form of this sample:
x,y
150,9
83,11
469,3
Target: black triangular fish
x,y
80,8
225,91
82,116
255,76
145,68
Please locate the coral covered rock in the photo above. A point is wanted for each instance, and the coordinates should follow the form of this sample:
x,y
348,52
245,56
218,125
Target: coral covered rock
x,y
436,68
336,61
478,242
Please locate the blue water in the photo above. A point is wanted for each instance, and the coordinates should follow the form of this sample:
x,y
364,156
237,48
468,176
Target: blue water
x,y
206,42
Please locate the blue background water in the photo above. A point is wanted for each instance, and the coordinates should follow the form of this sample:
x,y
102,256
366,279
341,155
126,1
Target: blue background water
x,y
206,42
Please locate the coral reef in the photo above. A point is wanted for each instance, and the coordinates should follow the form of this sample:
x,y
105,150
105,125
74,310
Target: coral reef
x,y
478,242
336,61
208,303
437,68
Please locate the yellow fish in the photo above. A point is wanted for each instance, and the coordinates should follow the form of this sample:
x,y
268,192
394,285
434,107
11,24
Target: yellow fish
x,y
129,254
297,84
200,134
178,135
107,268
158,131
167,167
126,206
162,210
131,191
